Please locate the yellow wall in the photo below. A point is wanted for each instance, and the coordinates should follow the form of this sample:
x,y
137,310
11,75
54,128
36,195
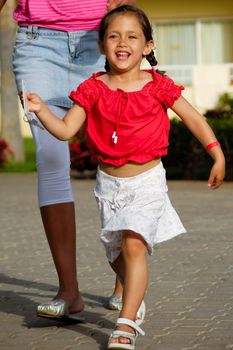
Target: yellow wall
x,y
176,9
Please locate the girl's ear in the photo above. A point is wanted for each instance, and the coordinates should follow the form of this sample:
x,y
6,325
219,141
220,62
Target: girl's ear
x,y
101,47
148,47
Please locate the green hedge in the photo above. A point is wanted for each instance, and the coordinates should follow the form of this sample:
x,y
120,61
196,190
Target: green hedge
x,y
187,159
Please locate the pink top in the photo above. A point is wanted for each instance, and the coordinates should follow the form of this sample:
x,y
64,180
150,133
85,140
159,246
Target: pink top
x,y
66,15
127,126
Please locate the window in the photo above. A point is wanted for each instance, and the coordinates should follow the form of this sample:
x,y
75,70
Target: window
x,y
195,42
176,43
180,45
216,42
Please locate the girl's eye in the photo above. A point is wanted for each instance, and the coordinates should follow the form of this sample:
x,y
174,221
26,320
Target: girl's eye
x,y
132,37
112,36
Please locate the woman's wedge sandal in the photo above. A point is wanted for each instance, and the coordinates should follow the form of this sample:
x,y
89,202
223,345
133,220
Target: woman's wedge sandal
x,y
117,334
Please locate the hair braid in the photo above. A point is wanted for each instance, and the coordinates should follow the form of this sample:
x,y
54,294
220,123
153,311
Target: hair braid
x,y
151,59
106,66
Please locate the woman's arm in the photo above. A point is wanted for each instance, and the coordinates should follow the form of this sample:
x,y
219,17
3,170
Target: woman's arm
x,y
198,126
2,3
62,129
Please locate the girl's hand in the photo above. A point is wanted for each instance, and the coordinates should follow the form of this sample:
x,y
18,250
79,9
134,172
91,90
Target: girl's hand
x,y
217,174
35,104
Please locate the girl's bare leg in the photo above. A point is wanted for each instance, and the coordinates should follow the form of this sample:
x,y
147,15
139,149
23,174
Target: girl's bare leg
x,y
118,289
115,301
132,268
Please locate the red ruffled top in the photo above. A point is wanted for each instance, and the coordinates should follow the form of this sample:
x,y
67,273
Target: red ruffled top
x,y
127,126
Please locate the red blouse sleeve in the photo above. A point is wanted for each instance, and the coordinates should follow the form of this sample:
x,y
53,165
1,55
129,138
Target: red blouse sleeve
x,y
83,95
167,91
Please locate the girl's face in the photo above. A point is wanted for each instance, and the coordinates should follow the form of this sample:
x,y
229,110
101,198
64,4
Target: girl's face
x,y
124,43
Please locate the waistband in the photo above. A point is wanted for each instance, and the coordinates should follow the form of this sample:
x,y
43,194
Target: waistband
x,y
34,30
158,168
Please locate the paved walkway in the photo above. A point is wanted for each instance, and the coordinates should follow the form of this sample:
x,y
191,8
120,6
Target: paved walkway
x,y
190,295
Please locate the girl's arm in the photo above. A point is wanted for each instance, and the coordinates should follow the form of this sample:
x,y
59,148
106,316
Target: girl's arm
x,y
198,126
62,129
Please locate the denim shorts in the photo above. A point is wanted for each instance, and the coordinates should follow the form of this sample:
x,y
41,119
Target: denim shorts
x,y
139,204
53,62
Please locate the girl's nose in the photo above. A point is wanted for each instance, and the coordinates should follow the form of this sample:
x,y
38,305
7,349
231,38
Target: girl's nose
x,y
122,42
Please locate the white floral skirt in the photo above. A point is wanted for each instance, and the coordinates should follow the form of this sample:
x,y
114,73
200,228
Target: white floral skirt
x,y
140,204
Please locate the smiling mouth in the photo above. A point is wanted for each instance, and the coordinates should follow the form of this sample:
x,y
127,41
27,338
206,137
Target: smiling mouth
x,y
122,55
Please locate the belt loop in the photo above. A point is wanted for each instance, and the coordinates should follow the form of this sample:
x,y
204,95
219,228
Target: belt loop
x,y
32,32
29,32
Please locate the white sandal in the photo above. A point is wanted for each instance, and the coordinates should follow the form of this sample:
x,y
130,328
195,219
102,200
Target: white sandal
x,y
117,334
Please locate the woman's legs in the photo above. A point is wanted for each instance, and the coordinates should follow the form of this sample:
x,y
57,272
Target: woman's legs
x,y
57,209
53,63
132,268
59,225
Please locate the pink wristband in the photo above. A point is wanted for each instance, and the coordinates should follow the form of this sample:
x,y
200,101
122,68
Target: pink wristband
x,y
212,144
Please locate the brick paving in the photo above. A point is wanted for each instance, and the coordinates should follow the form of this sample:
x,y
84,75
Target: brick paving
x,y
190,295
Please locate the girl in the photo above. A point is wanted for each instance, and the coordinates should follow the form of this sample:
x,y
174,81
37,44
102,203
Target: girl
x,y
127,126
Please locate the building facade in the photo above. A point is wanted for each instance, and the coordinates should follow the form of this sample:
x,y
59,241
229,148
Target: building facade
x,y
194,44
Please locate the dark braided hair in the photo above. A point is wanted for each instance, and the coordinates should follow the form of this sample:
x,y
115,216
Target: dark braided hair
x,y
143,20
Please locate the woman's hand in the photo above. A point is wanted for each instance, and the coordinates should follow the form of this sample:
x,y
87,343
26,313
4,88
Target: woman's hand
x,y
112,4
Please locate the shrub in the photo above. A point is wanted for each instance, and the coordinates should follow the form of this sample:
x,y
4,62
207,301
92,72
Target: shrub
x,y
225,102
5,152
187,159
219,114
83,162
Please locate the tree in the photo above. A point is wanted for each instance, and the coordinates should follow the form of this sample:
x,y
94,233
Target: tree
x,y
10,123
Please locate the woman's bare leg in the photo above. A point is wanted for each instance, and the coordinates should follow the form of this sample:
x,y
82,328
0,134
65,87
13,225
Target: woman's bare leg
x,y
59,224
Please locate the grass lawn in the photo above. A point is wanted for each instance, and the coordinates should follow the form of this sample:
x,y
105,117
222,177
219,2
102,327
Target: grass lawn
x,y
30,160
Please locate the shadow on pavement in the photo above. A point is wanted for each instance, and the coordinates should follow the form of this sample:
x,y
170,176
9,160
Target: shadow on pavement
x,y
20,303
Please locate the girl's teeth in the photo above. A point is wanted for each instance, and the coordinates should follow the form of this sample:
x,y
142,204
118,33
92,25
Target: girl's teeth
x,y
122,54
